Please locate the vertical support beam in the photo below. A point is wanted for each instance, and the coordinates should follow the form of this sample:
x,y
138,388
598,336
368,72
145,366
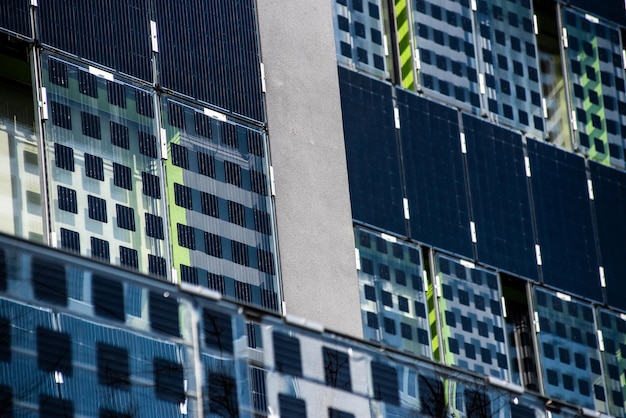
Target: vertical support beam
x,y
313,213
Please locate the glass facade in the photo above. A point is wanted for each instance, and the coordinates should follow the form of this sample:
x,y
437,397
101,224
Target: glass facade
x,y
104,168
595,69
489,261
469,303
104,164
393,292
88,339
516,237
221,219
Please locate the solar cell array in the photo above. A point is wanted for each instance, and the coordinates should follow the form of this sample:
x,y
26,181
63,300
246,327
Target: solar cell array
x,y
371,151
15,17
470,187
215,59
360,36
393,293
499,193
570,355
434,174
104,170
472,318
597,88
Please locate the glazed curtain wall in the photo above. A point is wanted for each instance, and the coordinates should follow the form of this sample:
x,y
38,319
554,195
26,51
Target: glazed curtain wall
x,y
121,188
553,71
80,338
214,59
480,191
148,148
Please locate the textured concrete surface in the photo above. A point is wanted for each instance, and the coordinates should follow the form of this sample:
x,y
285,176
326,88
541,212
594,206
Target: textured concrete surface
x,y
306,141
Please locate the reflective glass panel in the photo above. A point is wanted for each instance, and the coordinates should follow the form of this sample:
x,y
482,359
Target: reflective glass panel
x,y
219,205
613,327
360,36
103,167
509,64
394,308
570,356
20,178
447,62
469,302
597,88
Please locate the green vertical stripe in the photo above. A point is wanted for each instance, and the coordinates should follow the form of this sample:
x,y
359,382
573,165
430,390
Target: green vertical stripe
x,y
180,255
404,44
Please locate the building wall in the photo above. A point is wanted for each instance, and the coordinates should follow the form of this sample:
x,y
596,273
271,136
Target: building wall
x,y
308,156
488,262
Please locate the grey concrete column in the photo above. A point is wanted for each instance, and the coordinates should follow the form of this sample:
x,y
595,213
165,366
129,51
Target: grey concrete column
x,y
306,140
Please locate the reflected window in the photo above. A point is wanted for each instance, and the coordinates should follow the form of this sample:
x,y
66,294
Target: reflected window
x,y
54,351
5,341
223,395
49,281
336,369
113,367
6,401
168,380
50,407
337,413
291,407
477,404
385,383
218,330
108,298
164,314
287,358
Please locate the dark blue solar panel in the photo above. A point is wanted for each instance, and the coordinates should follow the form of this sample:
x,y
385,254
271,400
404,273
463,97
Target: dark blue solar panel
x,y
216,57
499,196
371,151
608,9
15,16
564,225
121,28
434,174
609,187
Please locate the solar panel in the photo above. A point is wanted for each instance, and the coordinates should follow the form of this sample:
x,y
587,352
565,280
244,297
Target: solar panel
x,y
221,210
102,159
568,344
499,196
609,189
472,317
507,51
123,31
434,174
15,17
447,61
371,151
597,86
216,59
613,327
564,224
392,292
359,36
